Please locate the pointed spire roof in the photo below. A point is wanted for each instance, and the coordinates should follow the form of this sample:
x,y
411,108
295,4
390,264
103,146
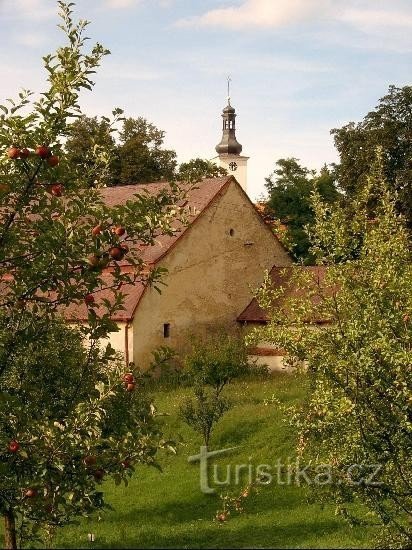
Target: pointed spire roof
x,y
229,144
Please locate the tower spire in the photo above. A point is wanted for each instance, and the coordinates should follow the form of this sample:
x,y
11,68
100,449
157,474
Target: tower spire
x,y
229,149
229,144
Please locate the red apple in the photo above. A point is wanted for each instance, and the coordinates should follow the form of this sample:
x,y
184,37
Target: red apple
x,y
116,253
131,386
56,189
13,153
97,230
43,151
90,460
14,446
24,153
98,474
126,463
125,248
53,161
119,230
128,378
31,493
89,299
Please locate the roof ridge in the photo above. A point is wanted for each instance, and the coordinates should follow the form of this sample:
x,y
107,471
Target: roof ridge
x,y
160,182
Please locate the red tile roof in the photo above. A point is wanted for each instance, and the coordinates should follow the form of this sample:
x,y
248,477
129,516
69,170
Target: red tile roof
x,y
197,200
132,294
281,277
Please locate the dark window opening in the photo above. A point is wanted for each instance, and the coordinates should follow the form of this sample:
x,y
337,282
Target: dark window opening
x,y
166,330
231,232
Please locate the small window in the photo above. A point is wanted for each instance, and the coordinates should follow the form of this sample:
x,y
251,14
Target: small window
x,y
231,232
166,330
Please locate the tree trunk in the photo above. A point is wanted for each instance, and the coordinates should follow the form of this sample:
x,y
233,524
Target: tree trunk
x,y
9,530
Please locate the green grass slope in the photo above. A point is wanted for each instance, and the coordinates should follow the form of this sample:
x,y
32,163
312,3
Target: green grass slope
x,y
168,510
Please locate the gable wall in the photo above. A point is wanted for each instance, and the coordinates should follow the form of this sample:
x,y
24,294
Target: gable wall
x,y
209,275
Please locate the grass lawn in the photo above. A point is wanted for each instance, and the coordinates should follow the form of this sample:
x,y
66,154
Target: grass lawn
x,y
168,510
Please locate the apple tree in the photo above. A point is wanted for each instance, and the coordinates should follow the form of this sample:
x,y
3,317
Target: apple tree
x,y
71,414
358,416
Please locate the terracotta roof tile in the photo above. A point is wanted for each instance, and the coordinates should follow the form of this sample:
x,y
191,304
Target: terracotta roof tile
x,y
132,295
197,200
280,277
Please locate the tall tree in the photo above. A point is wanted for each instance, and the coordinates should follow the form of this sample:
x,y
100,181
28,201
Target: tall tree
x,y
388,126
105,155
355,429
141,154
91,150
290,187
69,413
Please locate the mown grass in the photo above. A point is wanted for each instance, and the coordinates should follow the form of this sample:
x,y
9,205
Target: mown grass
x,y
167,509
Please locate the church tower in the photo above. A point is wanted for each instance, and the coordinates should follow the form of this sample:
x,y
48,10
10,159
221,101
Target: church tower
x,y
229,148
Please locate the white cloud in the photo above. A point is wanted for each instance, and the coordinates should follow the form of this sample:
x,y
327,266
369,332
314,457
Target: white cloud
x,y
121,4
368,20
260,13
27,9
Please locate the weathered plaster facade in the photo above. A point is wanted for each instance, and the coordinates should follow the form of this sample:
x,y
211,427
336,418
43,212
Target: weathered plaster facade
x,y
211,271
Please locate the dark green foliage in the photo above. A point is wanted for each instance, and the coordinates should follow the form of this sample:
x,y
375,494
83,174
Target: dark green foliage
x,y
62,396
198,168
89,142
388,127
289,188
135,154
141,155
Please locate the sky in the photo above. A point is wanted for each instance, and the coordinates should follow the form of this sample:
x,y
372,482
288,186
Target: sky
x,y
298,67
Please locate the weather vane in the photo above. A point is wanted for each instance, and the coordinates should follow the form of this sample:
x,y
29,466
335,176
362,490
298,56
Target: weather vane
x,y
229,80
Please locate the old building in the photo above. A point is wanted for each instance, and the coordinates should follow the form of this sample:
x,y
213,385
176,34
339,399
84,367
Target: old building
x,y
212,265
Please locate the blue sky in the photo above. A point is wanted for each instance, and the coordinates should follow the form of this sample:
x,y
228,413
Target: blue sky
x,y
298,67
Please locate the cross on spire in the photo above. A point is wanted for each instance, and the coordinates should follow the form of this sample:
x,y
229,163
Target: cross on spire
x,y
229,80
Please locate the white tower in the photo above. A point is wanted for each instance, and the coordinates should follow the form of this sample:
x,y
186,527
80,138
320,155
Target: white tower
x,y
229,148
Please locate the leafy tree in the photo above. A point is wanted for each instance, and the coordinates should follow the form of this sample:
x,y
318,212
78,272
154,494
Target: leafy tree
x,y
196,169
216,360
69,414
388,126
289,188
141,156
203,412
357,418
106,155
210,365
66,424
91,150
